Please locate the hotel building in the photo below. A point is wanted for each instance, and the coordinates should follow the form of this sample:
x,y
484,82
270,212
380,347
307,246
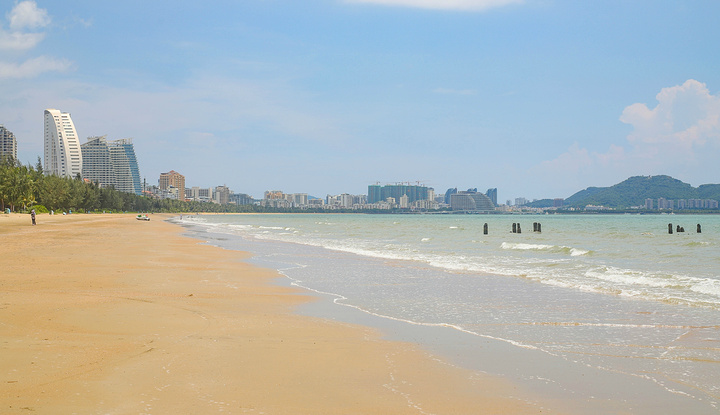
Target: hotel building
x,y
472,201
8,143
127,172
111,164
63,156
172,183
97,166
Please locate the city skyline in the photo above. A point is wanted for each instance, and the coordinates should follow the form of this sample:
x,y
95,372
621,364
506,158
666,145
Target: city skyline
x,y
539,99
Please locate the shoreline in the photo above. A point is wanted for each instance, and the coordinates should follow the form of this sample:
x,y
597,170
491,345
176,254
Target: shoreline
x,y
107,314
572,385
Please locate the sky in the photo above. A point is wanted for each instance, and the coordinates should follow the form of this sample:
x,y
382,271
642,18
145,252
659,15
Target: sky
x,y
538,98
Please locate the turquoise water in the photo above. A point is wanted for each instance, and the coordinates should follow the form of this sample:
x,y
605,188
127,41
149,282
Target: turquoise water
x,y
612,294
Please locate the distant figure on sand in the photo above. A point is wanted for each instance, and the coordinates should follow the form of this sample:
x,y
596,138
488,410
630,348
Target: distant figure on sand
x,y
32,216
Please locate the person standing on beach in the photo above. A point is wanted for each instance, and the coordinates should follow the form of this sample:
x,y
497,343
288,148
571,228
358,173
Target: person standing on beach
x,y
32,216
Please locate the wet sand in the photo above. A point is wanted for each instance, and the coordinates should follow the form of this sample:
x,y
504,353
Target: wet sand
x,y
107,314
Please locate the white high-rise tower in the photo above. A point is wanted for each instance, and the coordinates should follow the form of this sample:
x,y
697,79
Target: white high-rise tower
x,y
62,145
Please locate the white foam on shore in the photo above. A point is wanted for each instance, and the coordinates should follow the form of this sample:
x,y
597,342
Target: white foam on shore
x,y
558,265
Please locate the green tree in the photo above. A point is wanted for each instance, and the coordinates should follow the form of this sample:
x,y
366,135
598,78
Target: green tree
x,y
54,192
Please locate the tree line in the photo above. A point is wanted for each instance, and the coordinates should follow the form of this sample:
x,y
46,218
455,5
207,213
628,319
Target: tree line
x,y
26,187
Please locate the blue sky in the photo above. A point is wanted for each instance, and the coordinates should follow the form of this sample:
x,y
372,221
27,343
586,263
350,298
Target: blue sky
x,y
539,98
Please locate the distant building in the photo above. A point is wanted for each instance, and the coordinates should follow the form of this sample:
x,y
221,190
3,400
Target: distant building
x,y
520,201
648,204
111,164
274,194
170,183
199,194
127,171
221,195
241,199
377,193
448,193
471,201
404,202
558,202
96,164
299,199
374,193
8,144
492,194
63,156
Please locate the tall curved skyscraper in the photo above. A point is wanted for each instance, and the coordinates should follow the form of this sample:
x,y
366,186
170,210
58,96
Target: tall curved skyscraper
x,y
62,145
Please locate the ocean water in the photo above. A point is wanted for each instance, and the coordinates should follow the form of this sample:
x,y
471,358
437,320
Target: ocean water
x,y
608,311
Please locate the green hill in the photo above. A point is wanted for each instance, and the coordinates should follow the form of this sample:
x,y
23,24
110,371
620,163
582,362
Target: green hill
x,y
634,191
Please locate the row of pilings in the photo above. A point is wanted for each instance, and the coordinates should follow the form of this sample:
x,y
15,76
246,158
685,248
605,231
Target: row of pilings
x,y
681,229
537,227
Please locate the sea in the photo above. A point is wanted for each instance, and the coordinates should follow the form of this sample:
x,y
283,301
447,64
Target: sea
x,y
594,313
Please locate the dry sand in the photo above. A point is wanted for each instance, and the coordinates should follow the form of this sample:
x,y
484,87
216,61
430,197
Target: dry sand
x,y
104,314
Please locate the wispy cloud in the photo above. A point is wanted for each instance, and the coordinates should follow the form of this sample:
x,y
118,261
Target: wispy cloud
x,y
19,41
471,5
25,15
33,67
23,20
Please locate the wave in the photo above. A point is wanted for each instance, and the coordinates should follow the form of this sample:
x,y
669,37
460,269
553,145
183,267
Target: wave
x,y
550,248
555,265
698,243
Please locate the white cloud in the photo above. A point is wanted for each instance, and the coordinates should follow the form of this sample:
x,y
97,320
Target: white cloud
x,y
26,15
687,116
19,41
472,5
680,136
33,67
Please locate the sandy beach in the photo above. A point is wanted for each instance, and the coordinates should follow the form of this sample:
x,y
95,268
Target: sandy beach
x,y
109,315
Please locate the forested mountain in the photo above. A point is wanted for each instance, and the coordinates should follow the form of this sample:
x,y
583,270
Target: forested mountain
x,y
634,191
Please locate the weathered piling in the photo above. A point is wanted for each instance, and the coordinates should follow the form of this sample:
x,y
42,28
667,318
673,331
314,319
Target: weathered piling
x,y
534,226
670,228
699,229
677,229
518,228
485,229
514,228
539,228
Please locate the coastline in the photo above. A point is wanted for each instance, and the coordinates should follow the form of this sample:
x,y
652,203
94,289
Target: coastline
x,y
106,314
609,359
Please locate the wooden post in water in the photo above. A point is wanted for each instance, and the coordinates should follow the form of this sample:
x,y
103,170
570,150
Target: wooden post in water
x,y
699,229
485,229
518,228
670,228
514,228
539,228
534,226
